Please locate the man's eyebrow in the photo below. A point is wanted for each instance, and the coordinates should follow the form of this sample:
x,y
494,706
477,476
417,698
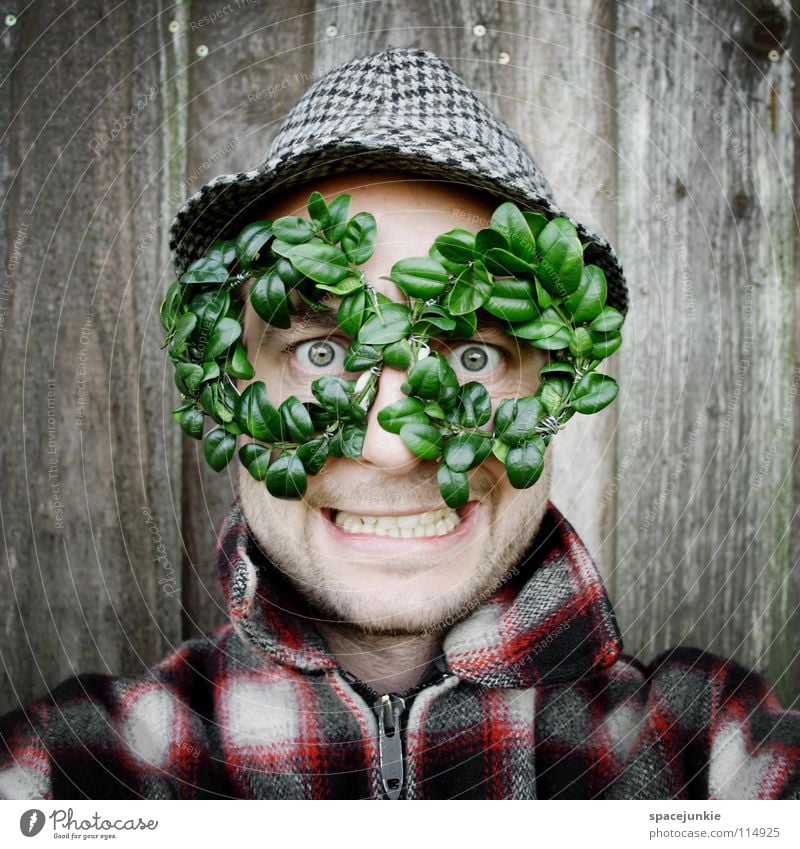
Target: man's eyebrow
x,y
304,319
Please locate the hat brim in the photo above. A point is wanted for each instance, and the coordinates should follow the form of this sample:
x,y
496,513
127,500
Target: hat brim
x,y
222,207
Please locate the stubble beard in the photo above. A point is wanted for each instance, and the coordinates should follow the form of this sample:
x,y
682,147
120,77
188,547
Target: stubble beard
x,y
296,557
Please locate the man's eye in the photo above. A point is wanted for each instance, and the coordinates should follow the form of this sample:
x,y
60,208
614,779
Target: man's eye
x,y
318,354
474,359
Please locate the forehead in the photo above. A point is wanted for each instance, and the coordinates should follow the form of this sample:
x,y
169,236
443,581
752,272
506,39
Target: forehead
x,y
392,195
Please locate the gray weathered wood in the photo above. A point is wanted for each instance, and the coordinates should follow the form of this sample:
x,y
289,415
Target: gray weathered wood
x,y
557,93
81,586
707,232
257,66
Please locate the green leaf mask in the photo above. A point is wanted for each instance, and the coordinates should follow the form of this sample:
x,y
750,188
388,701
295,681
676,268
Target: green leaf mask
x,y
523,269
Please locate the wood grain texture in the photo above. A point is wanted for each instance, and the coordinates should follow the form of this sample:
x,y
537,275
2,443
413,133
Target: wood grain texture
x,y
259,62
707,231
557,93
81,585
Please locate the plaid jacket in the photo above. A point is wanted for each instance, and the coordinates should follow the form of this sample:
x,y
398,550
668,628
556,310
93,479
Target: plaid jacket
x,y
531,699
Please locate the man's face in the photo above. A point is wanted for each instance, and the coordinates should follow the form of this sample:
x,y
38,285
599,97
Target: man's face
x,y
372,543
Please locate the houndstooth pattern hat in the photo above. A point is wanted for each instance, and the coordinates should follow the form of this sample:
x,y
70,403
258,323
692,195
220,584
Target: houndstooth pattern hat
x,y
401,109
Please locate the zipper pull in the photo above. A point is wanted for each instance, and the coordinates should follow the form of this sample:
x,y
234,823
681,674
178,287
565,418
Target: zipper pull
x,y
390,743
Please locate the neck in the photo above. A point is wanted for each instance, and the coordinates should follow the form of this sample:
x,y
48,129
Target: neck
x,y
386,664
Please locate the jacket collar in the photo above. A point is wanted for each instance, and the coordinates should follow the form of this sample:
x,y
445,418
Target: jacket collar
x,y
551,623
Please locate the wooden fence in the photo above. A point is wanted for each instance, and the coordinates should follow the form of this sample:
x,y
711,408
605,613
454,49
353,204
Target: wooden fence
x,y
669,126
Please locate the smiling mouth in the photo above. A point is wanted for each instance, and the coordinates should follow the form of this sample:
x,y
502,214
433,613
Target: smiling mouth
x,y
433,523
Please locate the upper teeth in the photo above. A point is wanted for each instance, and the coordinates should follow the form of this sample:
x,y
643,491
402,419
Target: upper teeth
x,y
433,523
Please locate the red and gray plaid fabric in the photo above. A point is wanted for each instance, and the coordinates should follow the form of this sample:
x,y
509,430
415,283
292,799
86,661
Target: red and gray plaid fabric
x,y
537,701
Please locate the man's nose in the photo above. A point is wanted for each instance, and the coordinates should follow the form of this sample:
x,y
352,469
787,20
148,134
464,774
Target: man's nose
x,y
383,449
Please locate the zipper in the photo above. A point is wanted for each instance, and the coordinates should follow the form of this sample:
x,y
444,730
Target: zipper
x,y
390,743
389,709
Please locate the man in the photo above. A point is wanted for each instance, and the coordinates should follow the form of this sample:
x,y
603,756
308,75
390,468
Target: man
x,y
381,644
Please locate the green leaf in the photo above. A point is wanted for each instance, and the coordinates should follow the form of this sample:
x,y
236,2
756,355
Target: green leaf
x,y
452,268
255,458
548,323
353,312
515,419
226,331
288,273
609,319
466,326
281,248
204,271
255,413
554,392
238,365
402,412
318,210
216,305
556,368
560,258
188,377
296,421
286,477
500,449
504,264
219,447
332,393
322,263
361,357
346,287
465,451
170,305
398,355
313,454
555,342
581,342
423,440
474,407
191,423
512,300
338,210
183,329
270,301
470,291
525,463
251,240
604,344
486,239
593,392
390,326
542,296
420,277
211,371
510,222
536,222
587,300
454,487
432,379
293,229
223,252
358,242
456,245
348,441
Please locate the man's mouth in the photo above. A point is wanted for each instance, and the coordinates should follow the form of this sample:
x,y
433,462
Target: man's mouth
x,y
433,523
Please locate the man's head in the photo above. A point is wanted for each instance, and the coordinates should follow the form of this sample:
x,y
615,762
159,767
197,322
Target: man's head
x,y
421,120
372,543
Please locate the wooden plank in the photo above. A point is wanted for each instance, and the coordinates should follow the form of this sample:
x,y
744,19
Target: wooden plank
x,y
523,66
557,94
258,64
707,232
81,588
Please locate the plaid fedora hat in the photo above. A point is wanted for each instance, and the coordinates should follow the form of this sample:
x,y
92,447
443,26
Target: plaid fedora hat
x,y
401,109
